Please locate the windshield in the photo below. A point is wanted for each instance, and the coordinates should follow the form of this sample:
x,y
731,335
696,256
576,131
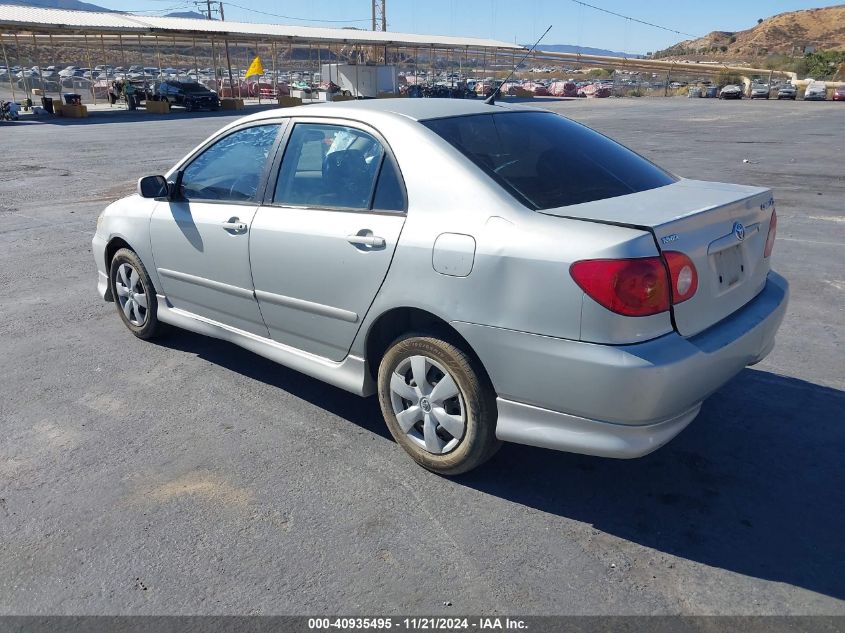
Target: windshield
x,y
547,161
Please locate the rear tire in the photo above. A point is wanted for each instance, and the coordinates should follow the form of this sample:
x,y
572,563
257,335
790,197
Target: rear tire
x,y
134,295
437,405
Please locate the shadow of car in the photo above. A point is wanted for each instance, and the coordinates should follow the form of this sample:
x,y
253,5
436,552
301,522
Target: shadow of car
x,y
754,487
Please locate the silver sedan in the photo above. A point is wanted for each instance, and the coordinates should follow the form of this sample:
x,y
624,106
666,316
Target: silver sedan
x,y
493,273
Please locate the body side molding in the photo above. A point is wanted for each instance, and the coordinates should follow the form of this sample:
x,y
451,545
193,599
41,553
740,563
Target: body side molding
x,y
349,374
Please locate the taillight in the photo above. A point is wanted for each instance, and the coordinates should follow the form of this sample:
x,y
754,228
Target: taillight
x,y
683,274
633,287
770,238
639,286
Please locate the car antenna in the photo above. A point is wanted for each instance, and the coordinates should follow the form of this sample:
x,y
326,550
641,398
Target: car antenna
x,y
491,100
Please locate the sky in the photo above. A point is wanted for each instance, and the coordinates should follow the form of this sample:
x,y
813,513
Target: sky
x,y
521,21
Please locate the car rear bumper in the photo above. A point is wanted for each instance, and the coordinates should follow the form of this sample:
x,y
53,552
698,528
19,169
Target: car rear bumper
x,y
525,424
623,400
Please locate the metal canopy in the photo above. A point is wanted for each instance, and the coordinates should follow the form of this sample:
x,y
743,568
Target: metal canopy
x,y
15,18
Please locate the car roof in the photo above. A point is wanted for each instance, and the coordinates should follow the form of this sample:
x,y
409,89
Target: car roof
x,y
409,108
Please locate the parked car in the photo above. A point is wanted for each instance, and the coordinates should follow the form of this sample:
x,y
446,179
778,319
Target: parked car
x,y
787,91
731,91
839,93
816,91
595,91
491,272
193,96
760,91
563,89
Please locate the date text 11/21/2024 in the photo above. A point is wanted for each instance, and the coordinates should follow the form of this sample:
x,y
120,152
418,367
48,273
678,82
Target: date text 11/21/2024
x,y
417,623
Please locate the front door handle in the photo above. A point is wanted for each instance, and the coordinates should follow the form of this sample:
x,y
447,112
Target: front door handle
x,y
366,240
234,225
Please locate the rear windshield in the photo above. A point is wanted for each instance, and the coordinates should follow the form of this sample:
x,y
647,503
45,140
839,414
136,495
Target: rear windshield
x,y
548,161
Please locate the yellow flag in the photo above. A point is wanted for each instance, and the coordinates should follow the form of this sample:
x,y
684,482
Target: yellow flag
x,y
255,68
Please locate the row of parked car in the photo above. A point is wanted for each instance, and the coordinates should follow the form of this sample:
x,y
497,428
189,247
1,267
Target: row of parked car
x,y
816,91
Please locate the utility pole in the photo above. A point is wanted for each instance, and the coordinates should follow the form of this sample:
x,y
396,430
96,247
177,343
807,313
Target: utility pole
x,y
228,58
213,51
379,12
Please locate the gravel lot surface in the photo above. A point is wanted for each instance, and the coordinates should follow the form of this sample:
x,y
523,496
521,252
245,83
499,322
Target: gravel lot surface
x,y
192,477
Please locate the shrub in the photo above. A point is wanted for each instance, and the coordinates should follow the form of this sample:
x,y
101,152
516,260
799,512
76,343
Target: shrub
x,y
725,78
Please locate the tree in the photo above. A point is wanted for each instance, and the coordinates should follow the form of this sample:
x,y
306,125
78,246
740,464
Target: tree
x,y
725,78
759,20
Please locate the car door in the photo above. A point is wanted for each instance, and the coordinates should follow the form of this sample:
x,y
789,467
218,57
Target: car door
x,y
200,239
323,241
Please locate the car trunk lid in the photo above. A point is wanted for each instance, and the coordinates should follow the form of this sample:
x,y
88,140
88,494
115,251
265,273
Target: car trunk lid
x,y
721,227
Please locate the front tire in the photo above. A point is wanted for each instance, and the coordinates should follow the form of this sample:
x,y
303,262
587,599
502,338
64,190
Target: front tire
x,y
437,405
134,295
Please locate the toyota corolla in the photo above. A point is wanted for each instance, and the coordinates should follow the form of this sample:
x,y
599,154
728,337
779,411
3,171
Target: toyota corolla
x,y
492,272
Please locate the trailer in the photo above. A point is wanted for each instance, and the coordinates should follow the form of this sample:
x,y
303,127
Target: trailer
x,y
362,81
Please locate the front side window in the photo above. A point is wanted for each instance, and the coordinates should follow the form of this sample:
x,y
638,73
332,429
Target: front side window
x,y
548,161
336,166
231,169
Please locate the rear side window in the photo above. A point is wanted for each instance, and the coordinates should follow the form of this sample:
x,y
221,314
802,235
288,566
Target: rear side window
x,y
390,194
328,166
548,161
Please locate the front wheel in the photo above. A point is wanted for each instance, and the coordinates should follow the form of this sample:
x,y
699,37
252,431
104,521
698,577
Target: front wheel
x,y
438,406
134,295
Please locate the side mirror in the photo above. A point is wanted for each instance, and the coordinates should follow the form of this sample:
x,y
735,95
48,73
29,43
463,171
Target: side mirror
x,y
153,187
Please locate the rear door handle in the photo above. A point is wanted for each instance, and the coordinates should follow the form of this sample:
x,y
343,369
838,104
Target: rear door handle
x,y
234,225
366,240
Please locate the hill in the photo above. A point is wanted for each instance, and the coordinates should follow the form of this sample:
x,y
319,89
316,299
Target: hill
x,y
73,5
77,5
586,50
186,14
788,33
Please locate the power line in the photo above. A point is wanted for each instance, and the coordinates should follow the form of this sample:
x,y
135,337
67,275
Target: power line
x,y
628,17
288,17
